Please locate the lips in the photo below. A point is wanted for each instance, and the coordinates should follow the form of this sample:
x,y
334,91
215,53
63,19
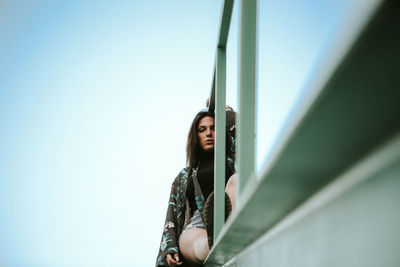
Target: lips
x,y
208,142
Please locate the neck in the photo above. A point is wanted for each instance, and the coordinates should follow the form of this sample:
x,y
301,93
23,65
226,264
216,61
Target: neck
x,y
206,157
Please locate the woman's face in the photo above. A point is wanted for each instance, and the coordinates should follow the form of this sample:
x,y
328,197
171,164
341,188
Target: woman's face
x,y
205,133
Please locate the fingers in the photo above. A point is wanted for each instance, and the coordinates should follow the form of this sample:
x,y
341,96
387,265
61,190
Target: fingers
x,y
169,259
172,261
176,257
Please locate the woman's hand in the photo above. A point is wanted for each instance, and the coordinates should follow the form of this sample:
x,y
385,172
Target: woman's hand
x,y
172,261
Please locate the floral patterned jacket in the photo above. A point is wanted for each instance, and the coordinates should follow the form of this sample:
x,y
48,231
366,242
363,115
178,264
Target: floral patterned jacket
x,y
179,213
175,219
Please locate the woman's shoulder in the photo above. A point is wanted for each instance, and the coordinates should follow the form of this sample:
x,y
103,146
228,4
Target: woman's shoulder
x,y
183,175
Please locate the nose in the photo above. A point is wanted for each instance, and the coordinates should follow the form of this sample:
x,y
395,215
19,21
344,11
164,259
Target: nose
x,y
208,132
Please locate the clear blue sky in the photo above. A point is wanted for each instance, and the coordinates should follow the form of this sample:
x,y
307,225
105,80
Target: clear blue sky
x,y
96,99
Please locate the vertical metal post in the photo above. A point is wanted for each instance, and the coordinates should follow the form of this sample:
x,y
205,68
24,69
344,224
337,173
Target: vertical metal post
x,y
247,90
220,121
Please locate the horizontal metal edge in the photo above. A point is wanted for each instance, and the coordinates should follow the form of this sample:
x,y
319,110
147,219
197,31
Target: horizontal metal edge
x,y
378,161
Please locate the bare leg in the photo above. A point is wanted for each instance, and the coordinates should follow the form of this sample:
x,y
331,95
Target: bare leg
x,y
193,245
230,189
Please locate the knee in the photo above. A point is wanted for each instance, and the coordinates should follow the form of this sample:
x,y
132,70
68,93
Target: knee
x,y
193,245
232,181
201,249
231,189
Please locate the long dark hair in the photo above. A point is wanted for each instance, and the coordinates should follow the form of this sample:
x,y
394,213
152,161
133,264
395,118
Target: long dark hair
x,y
192,146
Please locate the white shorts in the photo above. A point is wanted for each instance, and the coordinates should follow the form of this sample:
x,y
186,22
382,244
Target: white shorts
x,y
196,221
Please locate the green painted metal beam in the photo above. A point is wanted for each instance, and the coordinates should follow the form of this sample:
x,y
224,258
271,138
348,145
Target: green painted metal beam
x,y
351,109
224,25
217,104
351,222
247,91
220,122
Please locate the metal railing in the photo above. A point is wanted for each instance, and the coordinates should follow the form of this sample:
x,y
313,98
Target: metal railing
x,y
246,108
348,73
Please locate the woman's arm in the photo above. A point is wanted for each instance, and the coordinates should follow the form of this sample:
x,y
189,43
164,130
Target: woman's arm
x,y
169,251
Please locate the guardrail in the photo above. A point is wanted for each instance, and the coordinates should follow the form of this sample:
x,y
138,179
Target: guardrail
x,y
350,112
247,99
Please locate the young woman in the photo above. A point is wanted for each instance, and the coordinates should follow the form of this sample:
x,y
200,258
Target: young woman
x,y
185,240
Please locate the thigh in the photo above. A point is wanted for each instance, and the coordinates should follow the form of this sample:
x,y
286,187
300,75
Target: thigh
x,y
187,240
230,189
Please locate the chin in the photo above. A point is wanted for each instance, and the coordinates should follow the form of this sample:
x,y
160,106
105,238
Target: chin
x,y
209,149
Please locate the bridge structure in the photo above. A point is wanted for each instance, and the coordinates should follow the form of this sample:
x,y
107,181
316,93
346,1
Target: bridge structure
x,y
329,194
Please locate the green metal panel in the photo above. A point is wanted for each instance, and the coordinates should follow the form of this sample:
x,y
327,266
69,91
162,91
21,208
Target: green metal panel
x,y
351,110
219,169
247,91
353,222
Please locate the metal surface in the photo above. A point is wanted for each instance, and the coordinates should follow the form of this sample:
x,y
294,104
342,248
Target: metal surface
x,y
247,91
352,222
351,109
224,25
219,163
